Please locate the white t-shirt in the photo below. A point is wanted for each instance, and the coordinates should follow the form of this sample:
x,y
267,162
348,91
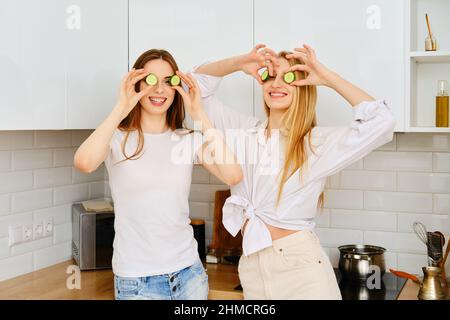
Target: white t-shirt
x,y
153,234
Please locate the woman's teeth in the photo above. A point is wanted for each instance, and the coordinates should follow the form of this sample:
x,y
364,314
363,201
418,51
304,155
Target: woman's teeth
x,y
277,95
157,101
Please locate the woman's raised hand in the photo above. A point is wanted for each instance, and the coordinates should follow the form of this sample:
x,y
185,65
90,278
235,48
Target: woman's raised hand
x,y
192,99
128,97
259,57
317,73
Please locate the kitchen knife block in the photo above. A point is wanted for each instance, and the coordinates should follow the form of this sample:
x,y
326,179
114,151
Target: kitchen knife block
x,y
227,248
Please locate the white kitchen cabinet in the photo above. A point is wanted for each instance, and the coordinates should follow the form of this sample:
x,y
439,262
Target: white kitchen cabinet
x,y
97,59
361,40
195,32
32,64
57,77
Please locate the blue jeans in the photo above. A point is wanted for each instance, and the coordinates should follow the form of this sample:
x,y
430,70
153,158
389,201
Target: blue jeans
x,y
190,283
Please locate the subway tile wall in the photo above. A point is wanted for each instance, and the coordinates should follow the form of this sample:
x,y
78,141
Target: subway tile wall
x,y
38,181
373,201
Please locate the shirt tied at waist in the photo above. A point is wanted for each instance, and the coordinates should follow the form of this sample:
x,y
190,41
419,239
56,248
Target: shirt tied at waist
x,y
256,236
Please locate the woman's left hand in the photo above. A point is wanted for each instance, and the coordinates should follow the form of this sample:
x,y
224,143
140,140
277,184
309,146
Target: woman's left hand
x,y
192,99
317,73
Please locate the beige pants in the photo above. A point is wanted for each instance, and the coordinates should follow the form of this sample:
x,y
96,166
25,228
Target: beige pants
x,y
295,267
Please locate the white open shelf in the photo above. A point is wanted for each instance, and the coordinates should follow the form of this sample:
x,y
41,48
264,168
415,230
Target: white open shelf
x,y
430,56
425,68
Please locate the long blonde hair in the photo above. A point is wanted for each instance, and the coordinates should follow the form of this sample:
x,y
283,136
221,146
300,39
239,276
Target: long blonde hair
x,y
297,123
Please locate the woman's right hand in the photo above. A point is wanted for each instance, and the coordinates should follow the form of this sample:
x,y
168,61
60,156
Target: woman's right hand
x,y
259,57
128,97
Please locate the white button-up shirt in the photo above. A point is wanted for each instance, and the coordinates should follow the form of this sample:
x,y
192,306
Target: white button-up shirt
x,y
254,198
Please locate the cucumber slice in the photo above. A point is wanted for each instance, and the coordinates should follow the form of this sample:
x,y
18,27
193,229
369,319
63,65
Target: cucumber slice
x,y
151,79
289,77
265,75
174,80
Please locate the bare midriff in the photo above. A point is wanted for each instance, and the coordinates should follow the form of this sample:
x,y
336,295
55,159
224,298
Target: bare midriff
x,y
275,232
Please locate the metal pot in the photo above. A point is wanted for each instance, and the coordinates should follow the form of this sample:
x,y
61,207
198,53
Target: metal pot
x,y
358,262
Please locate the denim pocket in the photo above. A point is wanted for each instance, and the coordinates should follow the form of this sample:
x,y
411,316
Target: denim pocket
x,y
127,287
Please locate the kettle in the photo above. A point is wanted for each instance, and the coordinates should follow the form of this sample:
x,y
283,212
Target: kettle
x,y
431,286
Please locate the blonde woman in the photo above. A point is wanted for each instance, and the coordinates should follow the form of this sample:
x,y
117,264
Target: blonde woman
x,y
275,209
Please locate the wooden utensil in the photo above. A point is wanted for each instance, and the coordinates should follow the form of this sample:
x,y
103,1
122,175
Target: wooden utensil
x,y
405,275
442,264
223,243
428,25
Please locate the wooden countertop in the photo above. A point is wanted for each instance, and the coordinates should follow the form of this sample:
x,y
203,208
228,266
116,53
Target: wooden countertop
x,y
50,284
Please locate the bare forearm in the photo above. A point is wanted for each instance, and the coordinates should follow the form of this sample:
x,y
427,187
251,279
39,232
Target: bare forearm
x,y
94,150
217,157
220,68
347,90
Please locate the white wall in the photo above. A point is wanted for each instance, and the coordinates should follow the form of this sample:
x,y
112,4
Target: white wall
x,y
37,181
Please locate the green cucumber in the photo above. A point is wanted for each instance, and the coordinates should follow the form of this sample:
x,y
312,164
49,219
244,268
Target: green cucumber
x,y
289,77
265,75
151,79
174,80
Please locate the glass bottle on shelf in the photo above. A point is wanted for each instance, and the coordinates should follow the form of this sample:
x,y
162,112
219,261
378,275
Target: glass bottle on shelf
x,y
442,104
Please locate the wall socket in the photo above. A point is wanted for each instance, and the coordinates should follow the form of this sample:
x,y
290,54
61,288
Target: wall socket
x,y
30,231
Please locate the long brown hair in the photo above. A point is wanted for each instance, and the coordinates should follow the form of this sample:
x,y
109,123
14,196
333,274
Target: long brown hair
x,y
175,114
298,121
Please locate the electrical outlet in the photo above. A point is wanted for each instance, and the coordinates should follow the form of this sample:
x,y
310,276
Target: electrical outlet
x,y
15,235
48,227
38,230
27,232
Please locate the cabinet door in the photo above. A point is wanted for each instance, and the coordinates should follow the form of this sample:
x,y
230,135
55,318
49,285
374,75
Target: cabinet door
x,y
361,40
32,64
195,32
97,59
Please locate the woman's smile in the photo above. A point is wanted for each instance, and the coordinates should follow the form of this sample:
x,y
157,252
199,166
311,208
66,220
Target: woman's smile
x,y
157,101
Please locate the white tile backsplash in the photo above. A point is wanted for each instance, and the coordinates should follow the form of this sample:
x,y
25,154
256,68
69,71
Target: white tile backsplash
x,y
16,181
13,140
423,142
363,220
52,177
368,180
441,203
29,200
441,162
37,182
63,157
398,201
5,161
70,194
423,182
52,255
343,199
14,266
399,161
62,233
31,246
5,204
32,159
4,248
52,139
